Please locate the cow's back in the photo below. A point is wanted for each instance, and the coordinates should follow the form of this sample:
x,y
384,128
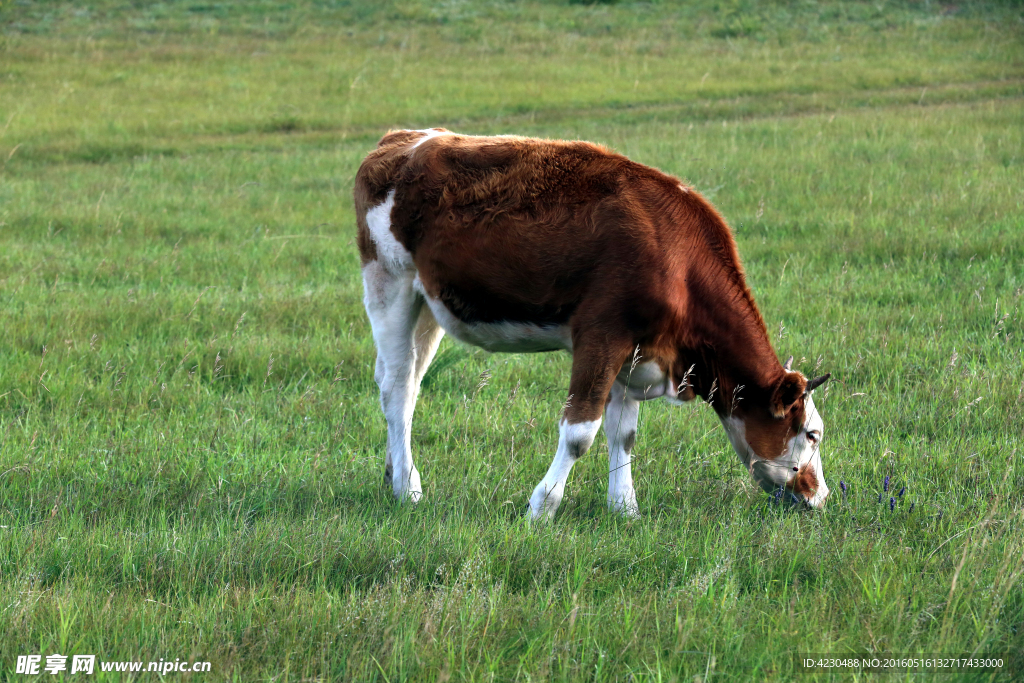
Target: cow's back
x,y
508,228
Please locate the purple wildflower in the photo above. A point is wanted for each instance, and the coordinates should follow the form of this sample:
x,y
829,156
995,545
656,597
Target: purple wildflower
x,y
880,497
902,491
892,503
911,508
777,495
885,484
842,485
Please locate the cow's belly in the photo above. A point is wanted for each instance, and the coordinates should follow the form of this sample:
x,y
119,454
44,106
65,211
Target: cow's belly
x,y
505,336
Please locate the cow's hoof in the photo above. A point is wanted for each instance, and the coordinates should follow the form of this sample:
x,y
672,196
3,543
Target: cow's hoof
x,y
411,496
543,516
625,511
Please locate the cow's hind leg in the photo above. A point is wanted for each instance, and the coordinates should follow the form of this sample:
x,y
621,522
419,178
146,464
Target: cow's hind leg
x,y
620,422
395,312
593,371
426,338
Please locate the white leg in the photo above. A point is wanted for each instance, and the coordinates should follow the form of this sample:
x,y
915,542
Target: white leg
x,y
620,423
394,308
426,339
573,442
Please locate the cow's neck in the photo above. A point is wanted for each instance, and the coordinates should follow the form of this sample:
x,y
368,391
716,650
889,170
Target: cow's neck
x,y
730,352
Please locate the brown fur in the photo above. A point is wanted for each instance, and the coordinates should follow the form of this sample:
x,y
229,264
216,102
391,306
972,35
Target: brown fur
x,y
768,435
555,232
805,483
790,388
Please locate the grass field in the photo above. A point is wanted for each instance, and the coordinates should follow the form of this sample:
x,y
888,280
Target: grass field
x,y
191,447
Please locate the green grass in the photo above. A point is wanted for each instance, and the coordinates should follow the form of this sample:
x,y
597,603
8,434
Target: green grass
x,y
191,448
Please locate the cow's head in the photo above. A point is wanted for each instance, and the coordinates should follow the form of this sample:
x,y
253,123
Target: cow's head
x,y
780,442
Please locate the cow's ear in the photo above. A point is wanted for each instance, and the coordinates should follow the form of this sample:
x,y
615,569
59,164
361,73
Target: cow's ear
x,y
787,392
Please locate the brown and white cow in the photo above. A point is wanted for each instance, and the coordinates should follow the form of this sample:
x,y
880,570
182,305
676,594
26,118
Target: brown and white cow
x,y
517,244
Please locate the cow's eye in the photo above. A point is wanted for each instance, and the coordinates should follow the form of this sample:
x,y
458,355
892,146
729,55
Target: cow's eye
x,y
814,436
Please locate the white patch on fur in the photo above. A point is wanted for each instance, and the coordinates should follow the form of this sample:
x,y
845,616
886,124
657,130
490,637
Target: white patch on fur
x,y
684,188
573,442
815,423
429,134
506,336
620,424
646,381
389,250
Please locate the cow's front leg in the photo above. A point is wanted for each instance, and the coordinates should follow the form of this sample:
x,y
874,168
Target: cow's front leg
x,y
620,423
573,442
593,371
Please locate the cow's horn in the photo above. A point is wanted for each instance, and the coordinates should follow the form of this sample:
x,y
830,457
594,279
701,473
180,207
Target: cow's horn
x,y
789,364
816,382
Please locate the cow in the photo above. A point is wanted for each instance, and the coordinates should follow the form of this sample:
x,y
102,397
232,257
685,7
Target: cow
x,y
516,244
